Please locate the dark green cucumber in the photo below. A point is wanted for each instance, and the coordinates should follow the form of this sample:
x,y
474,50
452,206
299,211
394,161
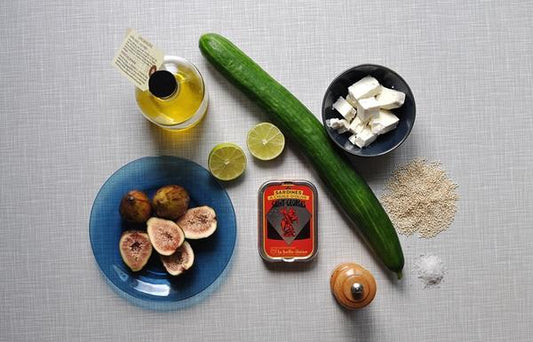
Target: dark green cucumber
x,y
303,129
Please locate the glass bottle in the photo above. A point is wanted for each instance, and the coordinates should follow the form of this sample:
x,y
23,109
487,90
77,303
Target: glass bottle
x,y
176,98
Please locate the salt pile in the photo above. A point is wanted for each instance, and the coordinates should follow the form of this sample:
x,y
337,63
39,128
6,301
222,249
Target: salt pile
x,y
430,269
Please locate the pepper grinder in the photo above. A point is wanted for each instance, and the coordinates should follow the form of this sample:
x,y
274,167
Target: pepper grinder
x,y
352,285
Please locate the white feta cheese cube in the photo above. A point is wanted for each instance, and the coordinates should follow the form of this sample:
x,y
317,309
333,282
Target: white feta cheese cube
x,y
352,139
340,125
384,122
365,87
333,123
367,109
390,98
344,127
344,108
351,101
356,126
365,137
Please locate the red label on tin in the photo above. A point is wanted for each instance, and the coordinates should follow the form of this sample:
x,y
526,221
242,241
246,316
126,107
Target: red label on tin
x,y
288,221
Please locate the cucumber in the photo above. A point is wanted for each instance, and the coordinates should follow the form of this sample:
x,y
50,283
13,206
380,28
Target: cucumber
x,y
304,130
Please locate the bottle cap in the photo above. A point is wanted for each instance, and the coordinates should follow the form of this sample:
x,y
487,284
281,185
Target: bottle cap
x,y
162,84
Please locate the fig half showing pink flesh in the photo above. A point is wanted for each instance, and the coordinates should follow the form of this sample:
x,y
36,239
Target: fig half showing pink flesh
x,y
166,236
135,249
180,261
198,223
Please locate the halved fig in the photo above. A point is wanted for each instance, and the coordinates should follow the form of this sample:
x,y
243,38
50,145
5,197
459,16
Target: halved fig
x,y
135,207
170,202
166,236
198,223
135,249
180,261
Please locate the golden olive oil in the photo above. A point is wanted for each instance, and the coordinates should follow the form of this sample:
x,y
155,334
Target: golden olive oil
x,y
185,107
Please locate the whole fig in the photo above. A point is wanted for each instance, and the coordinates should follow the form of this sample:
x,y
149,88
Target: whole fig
x,y
135,207
171,202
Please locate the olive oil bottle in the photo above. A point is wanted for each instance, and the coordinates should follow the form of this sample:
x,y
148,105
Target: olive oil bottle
x,y
176,98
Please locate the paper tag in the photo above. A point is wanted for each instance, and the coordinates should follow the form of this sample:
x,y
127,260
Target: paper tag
x,y
137,59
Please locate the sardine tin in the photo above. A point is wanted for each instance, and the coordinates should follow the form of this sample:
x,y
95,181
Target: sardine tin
x,y
287,221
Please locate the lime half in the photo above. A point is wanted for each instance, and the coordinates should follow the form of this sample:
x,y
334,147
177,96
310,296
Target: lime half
x,y
227,161
265,141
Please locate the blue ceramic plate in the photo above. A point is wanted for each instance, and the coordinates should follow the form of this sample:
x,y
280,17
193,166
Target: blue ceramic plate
x,y
152,287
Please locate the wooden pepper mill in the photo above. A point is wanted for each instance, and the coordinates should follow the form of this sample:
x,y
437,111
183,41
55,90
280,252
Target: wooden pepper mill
x,y
352,285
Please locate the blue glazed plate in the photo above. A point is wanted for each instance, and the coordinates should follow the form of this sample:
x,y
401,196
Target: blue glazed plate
x,y
152,287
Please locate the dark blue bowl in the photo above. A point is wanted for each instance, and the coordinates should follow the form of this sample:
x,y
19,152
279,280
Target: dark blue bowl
x,y
386,77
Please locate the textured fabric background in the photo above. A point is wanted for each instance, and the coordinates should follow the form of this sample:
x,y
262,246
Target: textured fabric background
x,y
69,120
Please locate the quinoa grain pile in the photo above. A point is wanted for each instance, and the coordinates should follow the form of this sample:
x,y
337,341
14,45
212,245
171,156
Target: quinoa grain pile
x,y
421,198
